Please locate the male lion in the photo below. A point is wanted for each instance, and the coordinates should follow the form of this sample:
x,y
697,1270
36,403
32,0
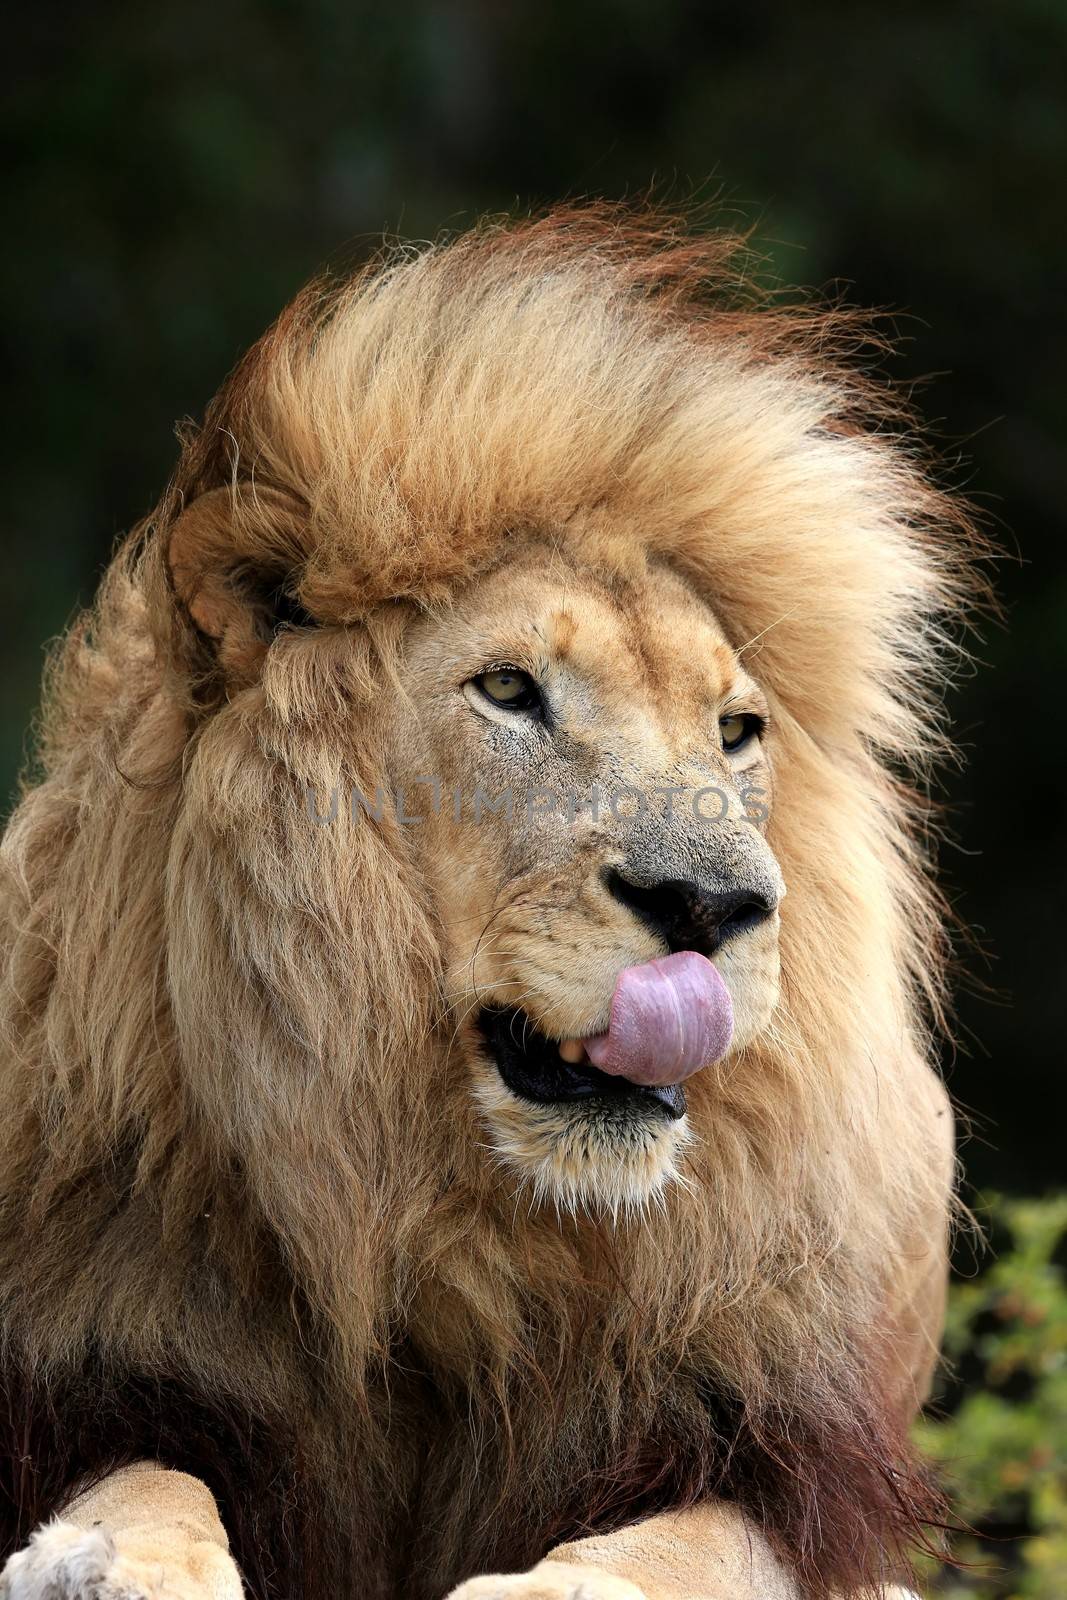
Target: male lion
x,y
415,814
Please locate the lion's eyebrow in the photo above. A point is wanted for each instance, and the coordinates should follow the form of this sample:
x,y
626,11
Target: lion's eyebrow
x,y
744,694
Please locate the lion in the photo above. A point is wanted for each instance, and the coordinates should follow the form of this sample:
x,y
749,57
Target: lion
x,y
471,961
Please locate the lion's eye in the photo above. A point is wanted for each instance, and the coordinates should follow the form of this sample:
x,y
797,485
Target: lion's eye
x,y
509,688
736,731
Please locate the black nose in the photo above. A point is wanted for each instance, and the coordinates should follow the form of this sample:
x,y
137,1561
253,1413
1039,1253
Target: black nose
x,y
687,916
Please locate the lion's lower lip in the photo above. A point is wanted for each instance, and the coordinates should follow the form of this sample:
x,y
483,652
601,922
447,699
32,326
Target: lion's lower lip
x,y
531,1066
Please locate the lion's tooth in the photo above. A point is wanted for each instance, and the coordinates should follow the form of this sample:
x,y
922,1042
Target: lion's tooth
x,y
572,1050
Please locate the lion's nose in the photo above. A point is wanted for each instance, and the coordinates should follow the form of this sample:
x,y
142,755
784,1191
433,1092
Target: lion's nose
x,y
688,916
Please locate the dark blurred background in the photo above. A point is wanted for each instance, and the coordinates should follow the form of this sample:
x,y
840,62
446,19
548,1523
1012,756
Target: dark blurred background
x,y
177,171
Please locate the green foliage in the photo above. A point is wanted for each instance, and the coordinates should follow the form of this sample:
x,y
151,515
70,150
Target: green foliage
x,y
1001,1439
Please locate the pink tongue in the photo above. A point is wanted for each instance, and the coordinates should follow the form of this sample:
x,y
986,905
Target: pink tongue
x,y
668,1019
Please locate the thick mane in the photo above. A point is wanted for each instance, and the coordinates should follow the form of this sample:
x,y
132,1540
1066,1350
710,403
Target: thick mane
x,y
221,1024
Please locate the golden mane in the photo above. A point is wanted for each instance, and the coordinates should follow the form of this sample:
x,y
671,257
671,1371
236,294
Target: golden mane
x,y
220,1024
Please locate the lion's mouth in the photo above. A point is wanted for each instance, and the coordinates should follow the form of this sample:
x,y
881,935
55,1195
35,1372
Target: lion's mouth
x,y
531,1066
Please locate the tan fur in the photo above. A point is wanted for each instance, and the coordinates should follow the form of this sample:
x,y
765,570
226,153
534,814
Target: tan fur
x,y
705,1553
143,1532
255,1032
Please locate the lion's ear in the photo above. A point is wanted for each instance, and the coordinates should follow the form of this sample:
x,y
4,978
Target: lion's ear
x,y
237,590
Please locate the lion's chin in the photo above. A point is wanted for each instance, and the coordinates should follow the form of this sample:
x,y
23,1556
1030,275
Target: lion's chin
x,y
607,1157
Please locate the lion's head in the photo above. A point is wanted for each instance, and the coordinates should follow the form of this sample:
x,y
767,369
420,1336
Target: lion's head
x,y
585,764
526,617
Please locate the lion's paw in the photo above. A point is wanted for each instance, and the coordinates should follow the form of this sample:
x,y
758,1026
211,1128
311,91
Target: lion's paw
x,y
62,1562
65,1562
550,1580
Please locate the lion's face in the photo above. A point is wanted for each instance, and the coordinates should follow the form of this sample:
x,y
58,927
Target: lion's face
x,y
589,767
